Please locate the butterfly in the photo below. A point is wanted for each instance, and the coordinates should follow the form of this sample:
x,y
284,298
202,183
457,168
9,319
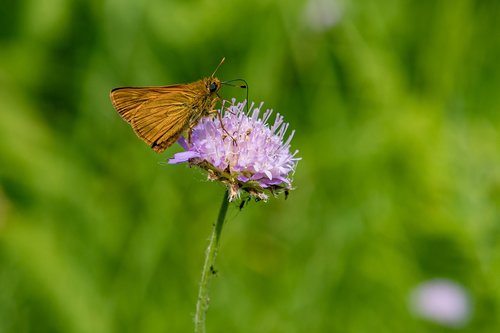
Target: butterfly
x,y
160,115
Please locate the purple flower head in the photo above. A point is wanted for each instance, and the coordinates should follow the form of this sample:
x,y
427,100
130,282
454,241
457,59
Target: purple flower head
x,y
246,154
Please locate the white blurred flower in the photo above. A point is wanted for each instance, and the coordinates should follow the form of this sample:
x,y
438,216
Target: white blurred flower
x,y
321,15
442,301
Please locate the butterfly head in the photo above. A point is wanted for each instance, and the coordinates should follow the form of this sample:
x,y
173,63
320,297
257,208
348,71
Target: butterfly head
x,y
213,85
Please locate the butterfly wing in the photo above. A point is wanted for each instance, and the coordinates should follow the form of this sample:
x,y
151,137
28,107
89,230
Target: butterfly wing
x,y
158,115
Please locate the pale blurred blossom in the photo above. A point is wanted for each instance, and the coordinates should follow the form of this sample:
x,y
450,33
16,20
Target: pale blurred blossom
x,y
442,301
321,15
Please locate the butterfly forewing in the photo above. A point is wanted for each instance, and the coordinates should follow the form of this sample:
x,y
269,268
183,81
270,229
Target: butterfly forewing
x,y
158,115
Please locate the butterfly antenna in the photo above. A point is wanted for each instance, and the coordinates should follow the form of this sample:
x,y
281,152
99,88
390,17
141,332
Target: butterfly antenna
x,y
220,63
244,86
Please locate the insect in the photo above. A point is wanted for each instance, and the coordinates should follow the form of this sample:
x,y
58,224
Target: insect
x,y
160,115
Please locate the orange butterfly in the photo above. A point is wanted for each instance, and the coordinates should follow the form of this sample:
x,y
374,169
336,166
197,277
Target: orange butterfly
x,y
159,115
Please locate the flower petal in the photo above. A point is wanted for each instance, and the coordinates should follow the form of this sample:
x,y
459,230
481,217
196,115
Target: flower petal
x,y
183,157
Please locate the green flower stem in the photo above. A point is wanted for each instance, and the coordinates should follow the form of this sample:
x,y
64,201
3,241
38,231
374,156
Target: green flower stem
x,y
208,268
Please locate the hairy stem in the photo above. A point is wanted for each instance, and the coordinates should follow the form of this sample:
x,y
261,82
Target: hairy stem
x,y
208,268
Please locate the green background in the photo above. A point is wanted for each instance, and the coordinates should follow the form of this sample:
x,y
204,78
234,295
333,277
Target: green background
x,y
396,110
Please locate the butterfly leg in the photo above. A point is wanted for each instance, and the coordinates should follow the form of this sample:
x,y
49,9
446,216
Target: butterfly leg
x,y
190,131
222,125
227,109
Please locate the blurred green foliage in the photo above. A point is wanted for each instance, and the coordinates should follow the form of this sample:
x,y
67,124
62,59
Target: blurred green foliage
x,y
396,110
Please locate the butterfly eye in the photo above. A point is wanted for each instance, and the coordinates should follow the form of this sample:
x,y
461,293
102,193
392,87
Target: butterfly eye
x,y
212,87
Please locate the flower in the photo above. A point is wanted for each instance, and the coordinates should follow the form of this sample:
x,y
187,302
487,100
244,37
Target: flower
x,y
442,301
321,15
245,153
